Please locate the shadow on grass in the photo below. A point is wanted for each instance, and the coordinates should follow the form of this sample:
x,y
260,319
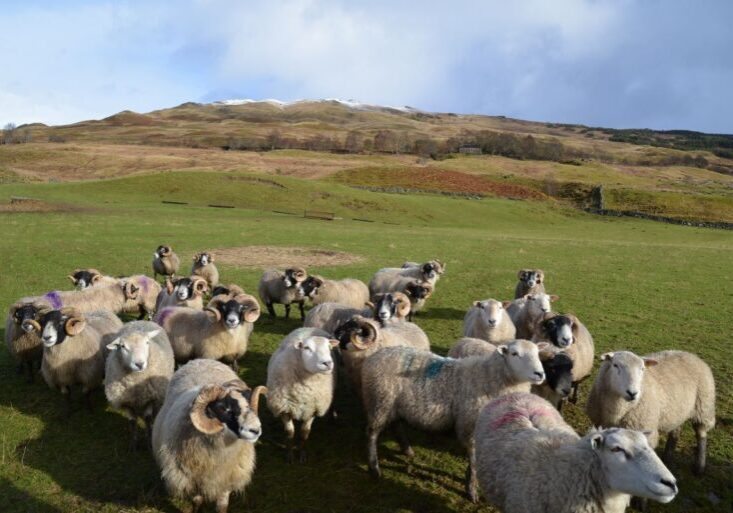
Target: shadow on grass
x,y
17,501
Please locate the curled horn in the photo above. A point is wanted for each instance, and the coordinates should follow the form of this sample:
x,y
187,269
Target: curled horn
x,y
130,290
441,264
71,277
252,312
214,311
575,322
541,274
403,304
299,273
165,251
429,288
198,416
196,257
254,400
211,257
200,285
75,323
357,340
32,322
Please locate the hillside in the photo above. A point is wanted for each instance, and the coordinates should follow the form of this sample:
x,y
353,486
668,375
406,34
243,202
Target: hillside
x,y
682,175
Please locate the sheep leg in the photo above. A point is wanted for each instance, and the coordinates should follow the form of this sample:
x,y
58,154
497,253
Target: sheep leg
x,y
132,423
143,313
19,369
701,450
290,434
302,311
372,438
67,404
471,479
222,503
287,311
88,399
149,429
197,501
270,309
305,431
574,396
235,365
409,316
671,444
402,439
29,366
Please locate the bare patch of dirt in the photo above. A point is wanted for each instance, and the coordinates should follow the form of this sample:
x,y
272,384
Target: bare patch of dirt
x,y
34,205
283,256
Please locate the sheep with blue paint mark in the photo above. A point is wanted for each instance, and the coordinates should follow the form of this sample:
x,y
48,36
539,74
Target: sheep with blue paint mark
x,y
427,391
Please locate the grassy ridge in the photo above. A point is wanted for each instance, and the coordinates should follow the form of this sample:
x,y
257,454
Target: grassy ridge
x,y
637,285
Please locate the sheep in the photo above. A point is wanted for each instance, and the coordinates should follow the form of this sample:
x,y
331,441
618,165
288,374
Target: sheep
x,y
301,382
531,281
348,292
526,311
73,349
183,292
359,338
419,292
138,368
329,316
568,333
227,289
130,295
220,332
390,307
390,279
434,393
558,383
204,436
283,287
165,262
531,461
22,333
83,278
658,393
469,346
489,321
203,265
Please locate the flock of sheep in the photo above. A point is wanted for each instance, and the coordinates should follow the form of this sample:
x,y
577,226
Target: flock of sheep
x,y
501,388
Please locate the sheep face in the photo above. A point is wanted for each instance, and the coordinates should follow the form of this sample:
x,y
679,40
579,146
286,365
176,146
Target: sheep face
x,y
202,259
233,312
315,353
523,360
162,251
26,316
560,330
186,288
558,369
624,373
418,290
294,277
134,350
531,277
310,286
631,466
57,325
84,278
539,304
390,305
225,409
492,312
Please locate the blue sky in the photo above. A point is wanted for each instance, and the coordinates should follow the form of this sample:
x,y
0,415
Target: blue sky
x,y
622,63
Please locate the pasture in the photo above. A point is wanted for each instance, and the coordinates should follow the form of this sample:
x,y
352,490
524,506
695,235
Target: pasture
x,y
637,285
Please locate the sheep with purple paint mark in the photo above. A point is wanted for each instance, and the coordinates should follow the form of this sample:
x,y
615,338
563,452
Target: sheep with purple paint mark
x,y
23,333
427,391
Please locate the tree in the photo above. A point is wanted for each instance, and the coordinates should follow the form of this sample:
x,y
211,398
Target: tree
x,y
8,133
274,139
352,144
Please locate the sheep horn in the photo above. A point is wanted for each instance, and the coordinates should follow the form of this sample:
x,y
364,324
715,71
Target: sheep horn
x,y
254,400
214,311
34,323
200,285
252,312
71,277
358,341
76,322
168,285
403,304
200,420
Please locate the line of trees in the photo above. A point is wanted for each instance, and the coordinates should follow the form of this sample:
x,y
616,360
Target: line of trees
x,y
11,135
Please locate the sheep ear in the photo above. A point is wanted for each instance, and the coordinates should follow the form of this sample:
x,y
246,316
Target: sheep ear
x,y
506,304
298,344
334,343
153,334
596,441
520,274
554,297
541,346
606,357
650,362
115,344
502,349
477,304
370,304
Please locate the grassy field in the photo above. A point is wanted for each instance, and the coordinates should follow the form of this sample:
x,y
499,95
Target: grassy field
x,y
637,285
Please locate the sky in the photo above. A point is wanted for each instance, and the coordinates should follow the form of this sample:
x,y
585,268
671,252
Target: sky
x,y
663,64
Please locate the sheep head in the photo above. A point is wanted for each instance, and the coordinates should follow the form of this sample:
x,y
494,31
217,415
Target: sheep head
x,y
360,332
231,407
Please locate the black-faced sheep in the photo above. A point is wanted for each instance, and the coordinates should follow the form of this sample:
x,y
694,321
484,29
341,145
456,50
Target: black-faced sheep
x,y
348,292
283,287
203,265
531,281
23,333
165,262
183,292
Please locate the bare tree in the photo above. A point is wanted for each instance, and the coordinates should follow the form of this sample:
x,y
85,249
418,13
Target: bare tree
x,y
8,133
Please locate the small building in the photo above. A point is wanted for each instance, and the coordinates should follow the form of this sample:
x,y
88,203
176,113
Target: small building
x,y
470,150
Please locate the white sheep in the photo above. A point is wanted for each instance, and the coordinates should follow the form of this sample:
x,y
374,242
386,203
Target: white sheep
x,y
528,310
657,393
329,316
469,346
138,369
73,349
204,435
301,382
348,292
220,332
531,461
489,321
436,394
566,332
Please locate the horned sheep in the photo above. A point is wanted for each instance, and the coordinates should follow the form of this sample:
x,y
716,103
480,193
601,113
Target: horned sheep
x,y
348,292
84,278
203,265
183,292
531,461
301,382
657,393
436,394
283,287
531,281
165,262
23,333
204,436
391,279
138,369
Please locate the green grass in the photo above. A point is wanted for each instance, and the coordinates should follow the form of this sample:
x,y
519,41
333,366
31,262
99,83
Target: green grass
x,y
637,285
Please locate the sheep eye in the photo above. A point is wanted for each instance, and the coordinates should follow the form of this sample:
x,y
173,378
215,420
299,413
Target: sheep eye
x,y
621,450
514,353
615,365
